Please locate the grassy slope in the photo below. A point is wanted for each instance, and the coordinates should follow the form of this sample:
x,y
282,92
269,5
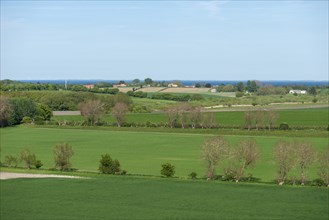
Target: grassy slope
x,y
305,117
138,152
116,197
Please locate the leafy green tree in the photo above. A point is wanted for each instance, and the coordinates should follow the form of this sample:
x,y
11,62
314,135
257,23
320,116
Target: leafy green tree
x,y
136,81
122,98
312,90
148,81
44,112
108,165
252,86
240,87
168,170
21,107
63,153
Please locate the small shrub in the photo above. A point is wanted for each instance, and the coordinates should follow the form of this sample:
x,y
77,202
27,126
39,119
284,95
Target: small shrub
x,y
318,182
315,100
38,120
38,164
108,166
284,126
238,94
167,170
26,120
11,161
193,175
27,157
229,175
123,172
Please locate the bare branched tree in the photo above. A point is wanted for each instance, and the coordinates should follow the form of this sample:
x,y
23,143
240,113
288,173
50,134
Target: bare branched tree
x,y
173,116
285,160
183,109
323,166
244,155
195,116
259,119
248,119
208,120
92,110
214,150
119,112
304,156
63,153
272,117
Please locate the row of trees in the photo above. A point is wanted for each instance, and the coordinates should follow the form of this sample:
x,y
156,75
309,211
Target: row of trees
x,y
184,115
13,111
62,155
260,119
293,159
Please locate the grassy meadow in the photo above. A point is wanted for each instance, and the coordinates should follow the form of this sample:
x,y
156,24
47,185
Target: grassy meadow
x,y
138,152
117,197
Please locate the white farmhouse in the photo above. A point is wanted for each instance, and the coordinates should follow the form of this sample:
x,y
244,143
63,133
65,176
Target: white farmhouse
x,y
302,92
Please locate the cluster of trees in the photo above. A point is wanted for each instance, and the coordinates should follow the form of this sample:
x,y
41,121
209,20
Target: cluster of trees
x,y
62,155
234,159
186,116
20,110
176,97
260,119
293,158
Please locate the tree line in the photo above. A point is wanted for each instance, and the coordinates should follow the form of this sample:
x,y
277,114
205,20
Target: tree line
x,y
292,159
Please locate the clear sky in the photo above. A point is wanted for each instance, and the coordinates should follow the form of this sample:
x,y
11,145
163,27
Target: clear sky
x,y
192,40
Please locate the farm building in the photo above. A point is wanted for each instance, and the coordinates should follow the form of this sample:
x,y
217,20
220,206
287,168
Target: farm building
x,y
297,91
172,85
89,86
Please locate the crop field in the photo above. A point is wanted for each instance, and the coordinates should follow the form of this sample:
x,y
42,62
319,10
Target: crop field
x,y
138,152
187,90
117,197
312,118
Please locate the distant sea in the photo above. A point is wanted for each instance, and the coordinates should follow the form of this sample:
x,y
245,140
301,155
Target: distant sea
x,y
187,82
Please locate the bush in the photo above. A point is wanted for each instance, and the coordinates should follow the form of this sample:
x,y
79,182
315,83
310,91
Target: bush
x,y
26,120
193,175
284,126
11,161
27,157
168,170
63,153
38,120
238,94
109,166
314,100
38,164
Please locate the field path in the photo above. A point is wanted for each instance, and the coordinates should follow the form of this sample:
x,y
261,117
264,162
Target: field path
x,y
7,175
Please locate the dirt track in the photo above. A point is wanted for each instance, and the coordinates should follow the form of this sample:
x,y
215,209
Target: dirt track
x,y
7,175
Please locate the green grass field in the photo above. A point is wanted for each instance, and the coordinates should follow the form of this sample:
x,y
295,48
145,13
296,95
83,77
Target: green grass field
x,y
312,118
118,197
138,152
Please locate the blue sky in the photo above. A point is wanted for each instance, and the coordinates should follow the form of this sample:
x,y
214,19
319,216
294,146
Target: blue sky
x,y
193,40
